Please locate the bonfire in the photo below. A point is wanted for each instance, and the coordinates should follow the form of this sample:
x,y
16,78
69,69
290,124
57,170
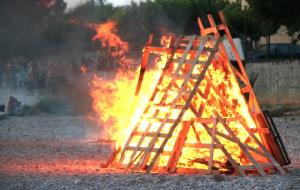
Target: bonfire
x,y
186,109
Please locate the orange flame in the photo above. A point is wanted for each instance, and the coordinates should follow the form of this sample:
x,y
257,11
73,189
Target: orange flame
x,y
118,109
113,97
106,34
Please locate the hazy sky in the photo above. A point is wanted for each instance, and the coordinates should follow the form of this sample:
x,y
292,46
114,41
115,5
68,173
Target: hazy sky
x,y
74,3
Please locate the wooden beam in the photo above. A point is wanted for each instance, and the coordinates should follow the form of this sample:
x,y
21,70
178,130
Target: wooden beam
x,y
212,146
177,149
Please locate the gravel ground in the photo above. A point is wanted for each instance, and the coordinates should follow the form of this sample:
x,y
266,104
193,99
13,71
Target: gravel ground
x,y
56,152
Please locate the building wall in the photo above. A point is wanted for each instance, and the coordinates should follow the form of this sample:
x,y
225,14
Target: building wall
x,y
278,81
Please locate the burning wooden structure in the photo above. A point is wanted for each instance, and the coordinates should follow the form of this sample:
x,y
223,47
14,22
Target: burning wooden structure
x,y
203,116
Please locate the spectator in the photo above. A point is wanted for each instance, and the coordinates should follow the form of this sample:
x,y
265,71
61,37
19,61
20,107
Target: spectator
x,y
14,107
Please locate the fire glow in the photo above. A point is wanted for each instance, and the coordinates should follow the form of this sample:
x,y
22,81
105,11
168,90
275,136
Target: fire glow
x,y
119,109
113,99
219,101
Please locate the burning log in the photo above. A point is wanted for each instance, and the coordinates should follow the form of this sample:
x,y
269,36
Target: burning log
x,y
143,67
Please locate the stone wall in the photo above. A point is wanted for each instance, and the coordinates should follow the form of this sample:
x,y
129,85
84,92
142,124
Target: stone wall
x,y
278,81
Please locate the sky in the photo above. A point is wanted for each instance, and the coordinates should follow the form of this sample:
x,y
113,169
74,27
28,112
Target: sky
x,y
74,3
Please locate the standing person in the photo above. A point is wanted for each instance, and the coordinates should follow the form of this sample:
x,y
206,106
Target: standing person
x,y
8,75
61,81
13,68
1,74
30,78
18,75
51,77
41,76
32,74
23,76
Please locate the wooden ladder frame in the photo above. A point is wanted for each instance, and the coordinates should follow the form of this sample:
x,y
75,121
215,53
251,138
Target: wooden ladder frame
x,y
190,49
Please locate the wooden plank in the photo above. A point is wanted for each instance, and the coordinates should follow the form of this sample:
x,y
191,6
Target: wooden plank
x,y
201,26
208,49
143,149
177,149
166,105
196,133
208,30
245,89
221,27
200,145
261,130
212,29
212,146
205,120
149,134
201,107
154,119
144,63
193,77
163,50
239,75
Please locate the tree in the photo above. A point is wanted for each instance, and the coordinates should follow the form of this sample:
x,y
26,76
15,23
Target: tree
x,y
276,13
270,13
22,26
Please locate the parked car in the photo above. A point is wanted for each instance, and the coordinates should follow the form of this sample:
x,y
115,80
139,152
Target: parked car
x,y
277,51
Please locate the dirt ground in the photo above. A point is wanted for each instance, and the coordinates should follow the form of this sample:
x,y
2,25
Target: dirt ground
x,y
61,152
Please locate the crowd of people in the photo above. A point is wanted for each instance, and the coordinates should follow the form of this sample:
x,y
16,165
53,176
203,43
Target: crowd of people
x,y
34,75
51,74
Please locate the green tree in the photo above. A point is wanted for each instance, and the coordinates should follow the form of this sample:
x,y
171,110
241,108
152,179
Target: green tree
x,y
283,12
273,13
